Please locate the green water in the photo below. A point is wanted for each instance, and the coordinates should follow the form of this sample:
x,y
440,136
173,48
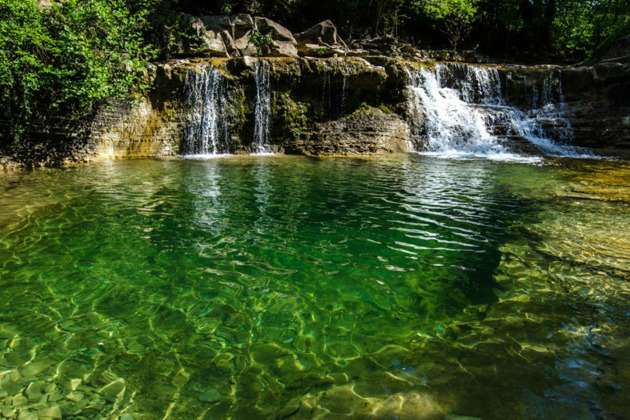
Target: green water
x,y
277,287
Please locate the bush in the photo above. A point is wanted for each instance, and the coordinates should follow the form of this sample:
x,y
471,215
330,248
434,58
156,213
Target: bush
x,y
65,59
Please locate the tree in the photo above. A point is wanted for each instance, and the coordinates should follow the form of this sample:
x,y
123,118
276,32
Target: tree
x,y
455,16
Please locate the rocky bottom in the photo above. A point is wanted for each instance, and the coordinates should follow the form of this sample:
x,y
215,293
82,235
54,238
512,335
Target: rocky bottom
x,y
114,308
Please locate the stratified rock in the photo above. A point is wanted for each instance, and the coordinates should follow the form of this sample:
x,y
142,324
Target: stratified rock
x,y
321,40
368,131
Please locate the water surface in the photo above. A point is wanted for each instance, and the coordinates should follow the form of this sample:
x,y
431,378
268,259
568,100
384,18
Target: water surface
x,y
281,287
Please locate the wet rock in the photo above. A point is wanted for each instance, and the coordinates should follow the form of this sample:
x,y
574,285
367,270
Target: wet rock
x,y
35,368
27,415
113,390
74,396
34,392
9,376
19,401
343,401
210,396
7,412
126,416
55,396
53,412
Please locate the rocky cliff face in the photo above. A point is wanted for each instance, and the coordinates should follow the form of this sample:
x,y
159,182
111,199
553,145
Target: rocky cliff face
x,y
309,101
312,107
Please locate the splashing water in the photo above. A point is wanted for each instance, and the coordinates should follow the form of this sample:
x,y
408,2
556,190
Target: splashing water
x,y
207,132
262,121
459,111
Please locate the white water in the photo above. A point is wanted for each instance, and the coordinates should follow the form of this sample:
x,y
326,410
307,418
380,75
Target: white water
x,y
465,115
262,111
206,133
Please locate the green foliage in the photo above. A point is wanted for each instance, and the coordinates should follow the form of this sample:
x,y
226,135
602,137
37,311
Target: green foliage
x,y
64,59
261,41
582,26
171,33
455,16
384,108
322,52
292,117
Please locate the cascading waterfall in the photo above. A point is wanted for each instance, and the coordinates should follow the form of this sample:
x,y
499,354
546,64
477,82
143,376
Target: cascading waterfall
x,y
207,132
262,112
460,110
450,125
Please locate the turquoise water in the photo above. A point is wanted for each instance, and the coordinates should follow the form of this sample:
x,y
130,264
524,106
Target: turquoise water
x,y
285,287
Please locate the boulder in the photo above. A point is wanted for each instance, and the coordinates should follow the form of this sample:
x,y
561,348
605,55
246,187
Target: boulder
x,y
322,40
212,40
277,31
221,26
230,36
245,45
242,25
282,42
324,34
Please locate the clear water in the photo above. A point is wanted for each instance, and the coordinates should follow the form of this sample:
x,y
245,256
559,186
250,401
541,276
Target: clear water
x,y
284,287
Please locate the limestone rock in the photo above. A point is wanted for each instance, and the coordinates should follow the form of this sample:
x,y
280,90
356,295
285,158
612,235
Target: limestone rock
x,y
277,31
221,27
283,44
212,40
7,412
210,396
242,26
367,131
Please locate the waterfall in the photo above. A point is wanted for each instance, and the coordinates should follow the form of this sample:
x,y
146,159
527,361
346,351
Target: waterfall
x,y
451,125
459,109
206,132
262,112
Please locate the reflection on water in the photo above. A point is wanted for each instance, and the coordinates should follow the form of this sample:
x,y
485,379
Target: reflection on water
x,y
405,287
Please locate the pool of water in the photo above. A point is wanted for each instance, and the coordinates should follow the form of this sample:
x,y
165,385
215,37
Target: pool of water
x,y
285,287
